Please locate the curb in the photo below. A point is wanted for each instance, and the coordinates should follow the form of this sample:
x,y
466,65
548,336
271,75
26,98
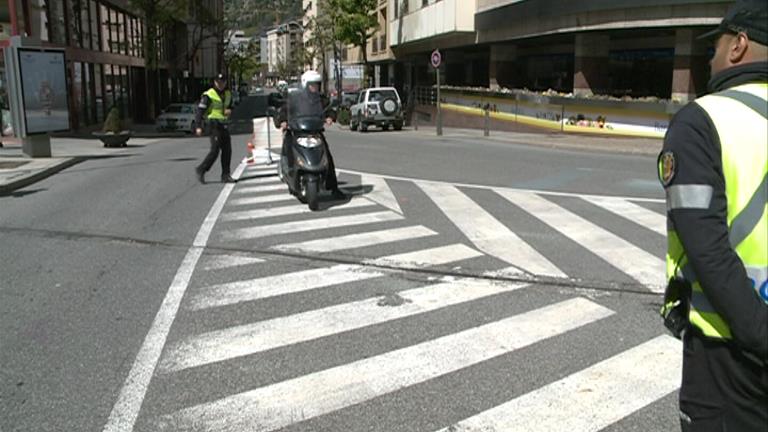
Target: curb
x,y
8,188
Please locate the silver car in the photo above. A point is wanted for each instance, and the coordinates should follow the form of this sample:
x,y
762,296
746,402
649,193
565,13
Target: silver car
x,y
379,106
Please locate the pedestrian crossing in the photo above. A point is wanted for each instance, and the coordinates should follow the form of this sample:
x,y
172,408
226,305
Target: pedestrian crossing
x,y
464,333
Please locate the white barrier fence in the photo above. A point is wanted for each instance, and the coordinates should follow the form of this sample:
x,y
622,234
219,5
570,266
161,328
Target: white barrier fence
x,y
266,138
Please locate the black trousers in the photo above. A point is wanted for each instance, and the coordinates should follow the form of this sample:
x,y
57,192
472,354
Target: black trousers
x,y
722,390
220,141
331,182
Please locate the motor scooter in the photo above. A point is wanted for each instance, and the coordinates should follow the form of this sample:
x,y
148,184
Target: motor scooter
x,y
306,177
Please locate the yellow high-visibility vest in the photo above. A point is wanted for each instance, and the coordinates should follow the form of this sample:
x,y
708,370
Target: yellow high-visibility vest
x,y
216,108
739,116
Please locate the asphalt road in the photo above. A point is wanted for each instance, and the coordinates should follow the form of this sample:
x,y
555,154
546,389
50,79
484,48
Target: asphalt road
x,y
464,285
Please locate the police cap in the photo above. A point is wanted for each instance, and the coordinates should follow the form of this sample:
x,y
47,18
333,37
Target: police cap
x,y
747,16
221,77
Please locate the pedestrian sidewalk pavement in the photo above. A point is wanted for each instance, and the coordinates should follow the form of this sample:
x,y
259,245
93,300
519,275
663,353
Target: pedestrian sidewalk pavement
x,y
615,144
17,170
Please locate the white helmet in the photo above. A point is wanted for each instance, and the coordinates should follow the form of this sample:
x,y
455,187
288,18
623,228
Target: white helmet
x,y
310,76
282,85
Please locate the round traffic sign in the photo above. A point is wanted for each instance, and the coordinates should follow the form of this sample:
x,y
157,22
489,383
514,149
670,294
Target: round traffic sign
x,y
436,58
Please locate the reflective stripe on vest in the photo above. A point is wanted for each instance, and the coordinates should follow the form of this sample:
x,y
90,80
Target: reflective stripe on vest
x,y
739,116
217,106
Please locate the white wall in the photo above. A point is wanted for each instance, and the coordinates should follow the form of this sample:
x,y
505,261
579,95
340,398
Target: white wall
x,y
439,18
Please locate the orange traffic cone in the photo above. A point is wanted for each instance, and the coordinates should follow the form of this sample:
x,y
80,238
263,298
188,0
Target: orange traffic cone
x,y
249,154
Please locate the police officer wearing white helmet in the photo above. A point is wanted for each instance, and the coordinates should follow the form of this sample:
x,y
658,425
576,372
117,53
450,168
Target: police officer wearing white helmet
x,y
311,102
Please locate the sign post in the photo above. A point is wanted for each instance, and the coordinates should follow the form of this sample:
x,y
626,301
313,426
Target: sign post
x,y
436,59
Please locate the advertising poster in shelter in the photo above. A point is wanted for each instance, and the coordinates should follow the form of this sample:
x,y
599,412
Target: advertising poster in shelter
x,y
44,89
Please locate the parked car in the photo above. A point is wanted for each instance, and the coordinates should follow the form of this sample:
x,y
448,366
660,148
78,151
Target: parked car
x,y
378,106
177,117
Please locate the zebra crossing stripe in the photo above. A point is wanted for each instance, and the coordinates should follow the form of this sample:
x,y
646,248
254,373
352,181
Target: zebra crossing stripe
x,y
487,233
633,212
311,225
289,283
226,261
358,240
267,187
261,336
262,199
592,399
381,192
420,259
635,262
292,209
275,406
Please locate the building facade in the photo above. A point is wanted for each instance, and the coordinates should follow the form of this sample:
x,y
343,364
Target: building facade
x,y
105,53
285,51
622,48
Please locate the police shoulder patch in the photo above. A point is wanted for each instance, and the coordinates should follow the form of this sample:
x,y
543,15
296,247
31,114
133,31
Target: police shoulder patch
x,y
667,167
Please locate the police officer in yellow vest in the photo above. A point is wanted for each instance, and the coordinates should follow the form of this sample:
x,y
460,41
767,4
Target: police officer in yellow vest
x,y
216,106
714,168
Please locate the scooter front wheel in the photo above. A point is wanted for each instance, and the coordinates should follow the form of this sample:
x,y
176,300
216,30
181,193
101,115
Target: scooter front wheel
x,y
313,198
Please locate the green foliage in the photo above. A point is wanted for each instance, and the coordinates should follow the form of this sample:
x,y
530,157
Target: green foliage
x,y
113,122
356,22
260,14
343,116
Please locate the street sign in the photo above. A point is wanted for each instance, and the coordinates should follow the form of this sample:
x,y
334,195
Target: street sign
x,y
436,58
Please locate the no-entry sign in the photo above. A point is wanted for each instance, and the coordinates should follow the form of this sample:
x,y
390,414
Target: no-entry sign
x,y
436,58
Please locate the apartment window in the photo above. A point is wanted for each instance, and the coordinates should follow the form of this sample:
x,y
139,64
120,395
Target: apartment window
x,y
424,3
375,44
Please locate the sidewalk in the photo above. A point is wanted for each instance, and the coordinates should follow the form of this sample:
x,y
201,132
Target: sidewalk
x,y
18,170
626,145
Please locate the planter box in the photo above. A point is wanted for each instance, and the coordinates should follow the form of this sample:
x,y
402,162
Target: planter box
x,y
111,139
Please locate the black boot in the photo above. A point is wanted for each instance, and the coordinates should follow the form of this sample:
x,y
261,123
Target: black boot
x,y
200,175
227,179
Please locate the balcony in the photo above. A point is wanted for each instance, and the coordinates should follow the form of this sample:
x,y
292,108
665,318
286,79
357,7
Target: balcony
x,y
443,18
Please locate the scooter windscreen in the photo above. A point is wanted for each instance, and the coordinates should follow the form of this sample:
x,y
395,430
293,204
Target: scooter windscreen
x,y
307,124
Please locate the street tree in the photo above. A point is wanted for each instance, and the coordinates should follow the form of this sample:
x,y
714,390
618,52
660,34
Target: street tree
x,y
322,29
357,23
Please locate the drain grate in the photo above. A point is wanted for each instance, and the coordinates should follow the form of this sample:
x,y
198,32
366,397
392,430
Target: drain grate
x,y
11,165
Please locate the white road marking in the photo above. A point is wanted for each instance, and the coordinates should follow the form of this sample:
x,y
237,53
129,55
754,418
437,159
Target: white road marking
x,y
633,212
262,199
219,262
358,240
289,283
487,233
381,192
635,262
276,406
292,209
311,225
592,399
123,416
480,186
265,188
261,336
